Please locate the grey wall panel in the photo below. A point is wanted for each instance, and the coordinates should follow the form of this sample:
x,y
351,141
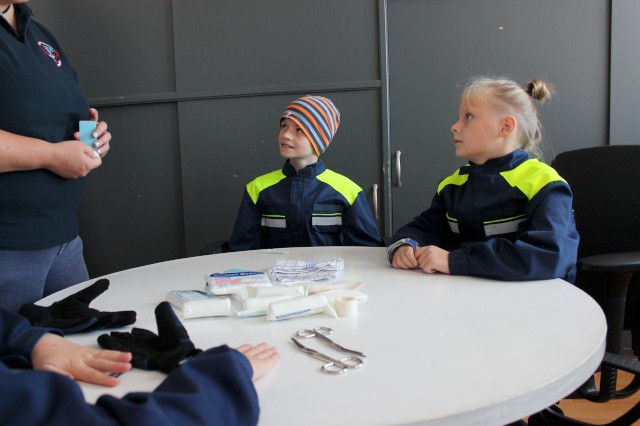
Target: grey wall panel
x,y
117,47
436,45
225,143
229,43
131,213
625,69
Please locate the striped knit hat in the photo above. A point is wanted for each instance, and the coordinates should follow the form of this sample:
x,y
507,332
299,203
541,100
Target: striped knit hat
x,y
318,118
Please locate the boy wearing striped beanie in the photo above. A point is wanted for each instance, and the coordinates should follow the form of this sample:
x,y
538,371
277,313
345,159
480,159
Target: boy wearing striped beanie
x,y
304,204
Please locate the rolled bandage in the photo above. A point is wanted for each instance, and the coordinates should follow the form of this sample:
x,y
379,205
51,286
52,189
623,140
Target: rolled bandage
x,y
300,307
257,306
346,306
196,304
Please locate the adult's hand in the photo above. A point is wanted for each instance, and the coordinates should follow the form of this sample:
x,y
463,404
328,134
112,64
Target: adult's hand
x,y
102,135
72,159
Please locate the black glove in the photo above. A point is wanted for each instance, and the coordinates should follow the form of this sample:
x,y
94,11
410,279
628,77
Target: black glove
x,y
73,314
154,352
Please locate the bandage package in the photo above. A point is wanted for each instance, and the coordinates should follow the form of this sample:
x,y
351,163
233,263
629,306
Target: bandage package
x,y
235,282
196,304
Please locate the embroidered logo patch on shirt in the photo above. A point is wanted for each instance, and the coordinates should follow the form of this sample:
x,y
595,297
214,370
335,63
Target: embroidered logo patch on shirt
x,y
50,52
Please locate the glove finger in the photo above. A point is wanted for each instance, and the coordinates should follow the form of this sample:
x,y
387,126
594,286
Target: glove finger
x,y
103,320
113,319
45,316
124,318
170,329
88,294
79,327
141,333
114,342
125,342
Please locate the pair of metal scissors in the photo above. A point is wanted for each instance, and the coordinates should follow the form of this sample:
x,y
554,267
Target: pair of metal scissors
x,y
333,366
321,334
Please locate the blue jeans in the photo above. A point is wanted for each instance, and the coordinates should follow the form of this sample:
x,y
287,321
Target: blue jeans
x,y
27,276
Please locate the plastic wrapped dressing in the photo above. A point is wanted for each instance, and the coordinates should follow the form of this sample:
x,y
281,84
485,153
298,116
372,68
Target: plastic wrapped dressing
x,y
300,307
235,282
278,290
196,304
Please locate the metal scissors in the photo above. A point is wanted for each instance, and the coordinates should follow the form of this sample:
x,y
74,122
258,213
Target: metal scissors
x,y
333,366
321,333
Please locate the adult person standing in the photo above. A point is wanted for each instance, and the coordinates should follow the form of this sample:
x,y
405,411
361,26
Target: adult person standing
x,y
42,161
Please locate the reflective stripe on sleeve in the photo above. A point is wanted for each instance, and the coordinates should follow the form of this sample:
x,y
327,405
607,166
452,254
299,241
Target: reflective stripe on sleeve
x,y
272,222
502,227
326,220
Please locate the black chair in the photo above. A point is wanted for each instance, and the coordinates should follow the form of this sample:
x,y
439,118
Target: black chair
x,y
604,181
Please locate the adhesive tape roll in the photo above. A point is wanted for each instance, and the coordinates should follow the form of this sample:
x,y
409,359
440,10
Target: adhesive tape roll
x,y
346,306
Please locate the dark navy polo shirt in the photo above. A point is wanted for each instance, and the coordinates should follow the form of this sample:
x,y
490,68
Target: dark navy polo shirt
x,y
40,98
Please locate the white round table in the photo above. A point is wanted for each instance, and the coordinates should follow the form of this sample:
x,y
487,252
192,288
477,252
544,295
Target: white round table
x,y
439,349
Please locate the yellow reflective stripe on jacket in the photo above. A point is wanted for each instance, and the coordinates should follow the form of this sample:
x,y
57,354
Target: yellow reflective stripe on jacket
x,y
345,186
259,184
531,176
454,179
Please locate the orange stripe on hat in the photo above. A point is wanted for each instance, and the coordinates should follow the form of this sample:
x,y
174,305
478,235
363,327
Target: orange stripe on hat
x,y
333,114
311,118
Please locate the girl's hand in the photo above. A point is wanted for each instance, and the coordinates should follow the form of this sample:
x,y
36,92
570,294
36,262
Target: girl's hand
x,y
404,258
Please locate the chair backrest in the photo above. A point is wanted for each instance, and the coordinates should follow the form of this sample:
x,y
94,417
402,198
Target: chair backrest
x,y
605,181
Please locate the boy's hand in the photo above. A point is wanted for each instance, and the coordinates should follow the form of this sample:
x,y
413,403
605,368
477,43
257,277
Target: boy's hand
x,y
432,259
262,357
54,353
404,258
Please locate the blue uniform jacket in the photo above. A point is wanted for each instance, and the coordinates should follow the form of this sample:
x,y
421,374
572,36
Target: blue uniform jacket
x,y
213,388
509,219
313,207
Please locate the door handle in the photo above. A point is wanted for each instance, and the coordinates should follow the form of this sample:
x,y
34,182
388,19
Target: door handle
x,y
398,169
376,216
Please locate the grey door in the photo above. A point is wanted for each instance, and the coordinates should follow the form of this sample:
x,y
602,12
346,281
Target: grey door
x,y
436,45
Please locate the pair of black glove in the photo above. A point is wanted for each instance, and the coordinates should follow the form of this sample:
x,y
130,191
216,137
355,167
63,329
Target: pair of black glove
x,y
73,314
163,351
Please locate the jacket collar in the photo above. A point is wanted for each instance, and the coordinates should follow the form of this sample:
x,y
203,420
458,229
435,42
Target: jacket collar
x,y
496,165
312,170
23,16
